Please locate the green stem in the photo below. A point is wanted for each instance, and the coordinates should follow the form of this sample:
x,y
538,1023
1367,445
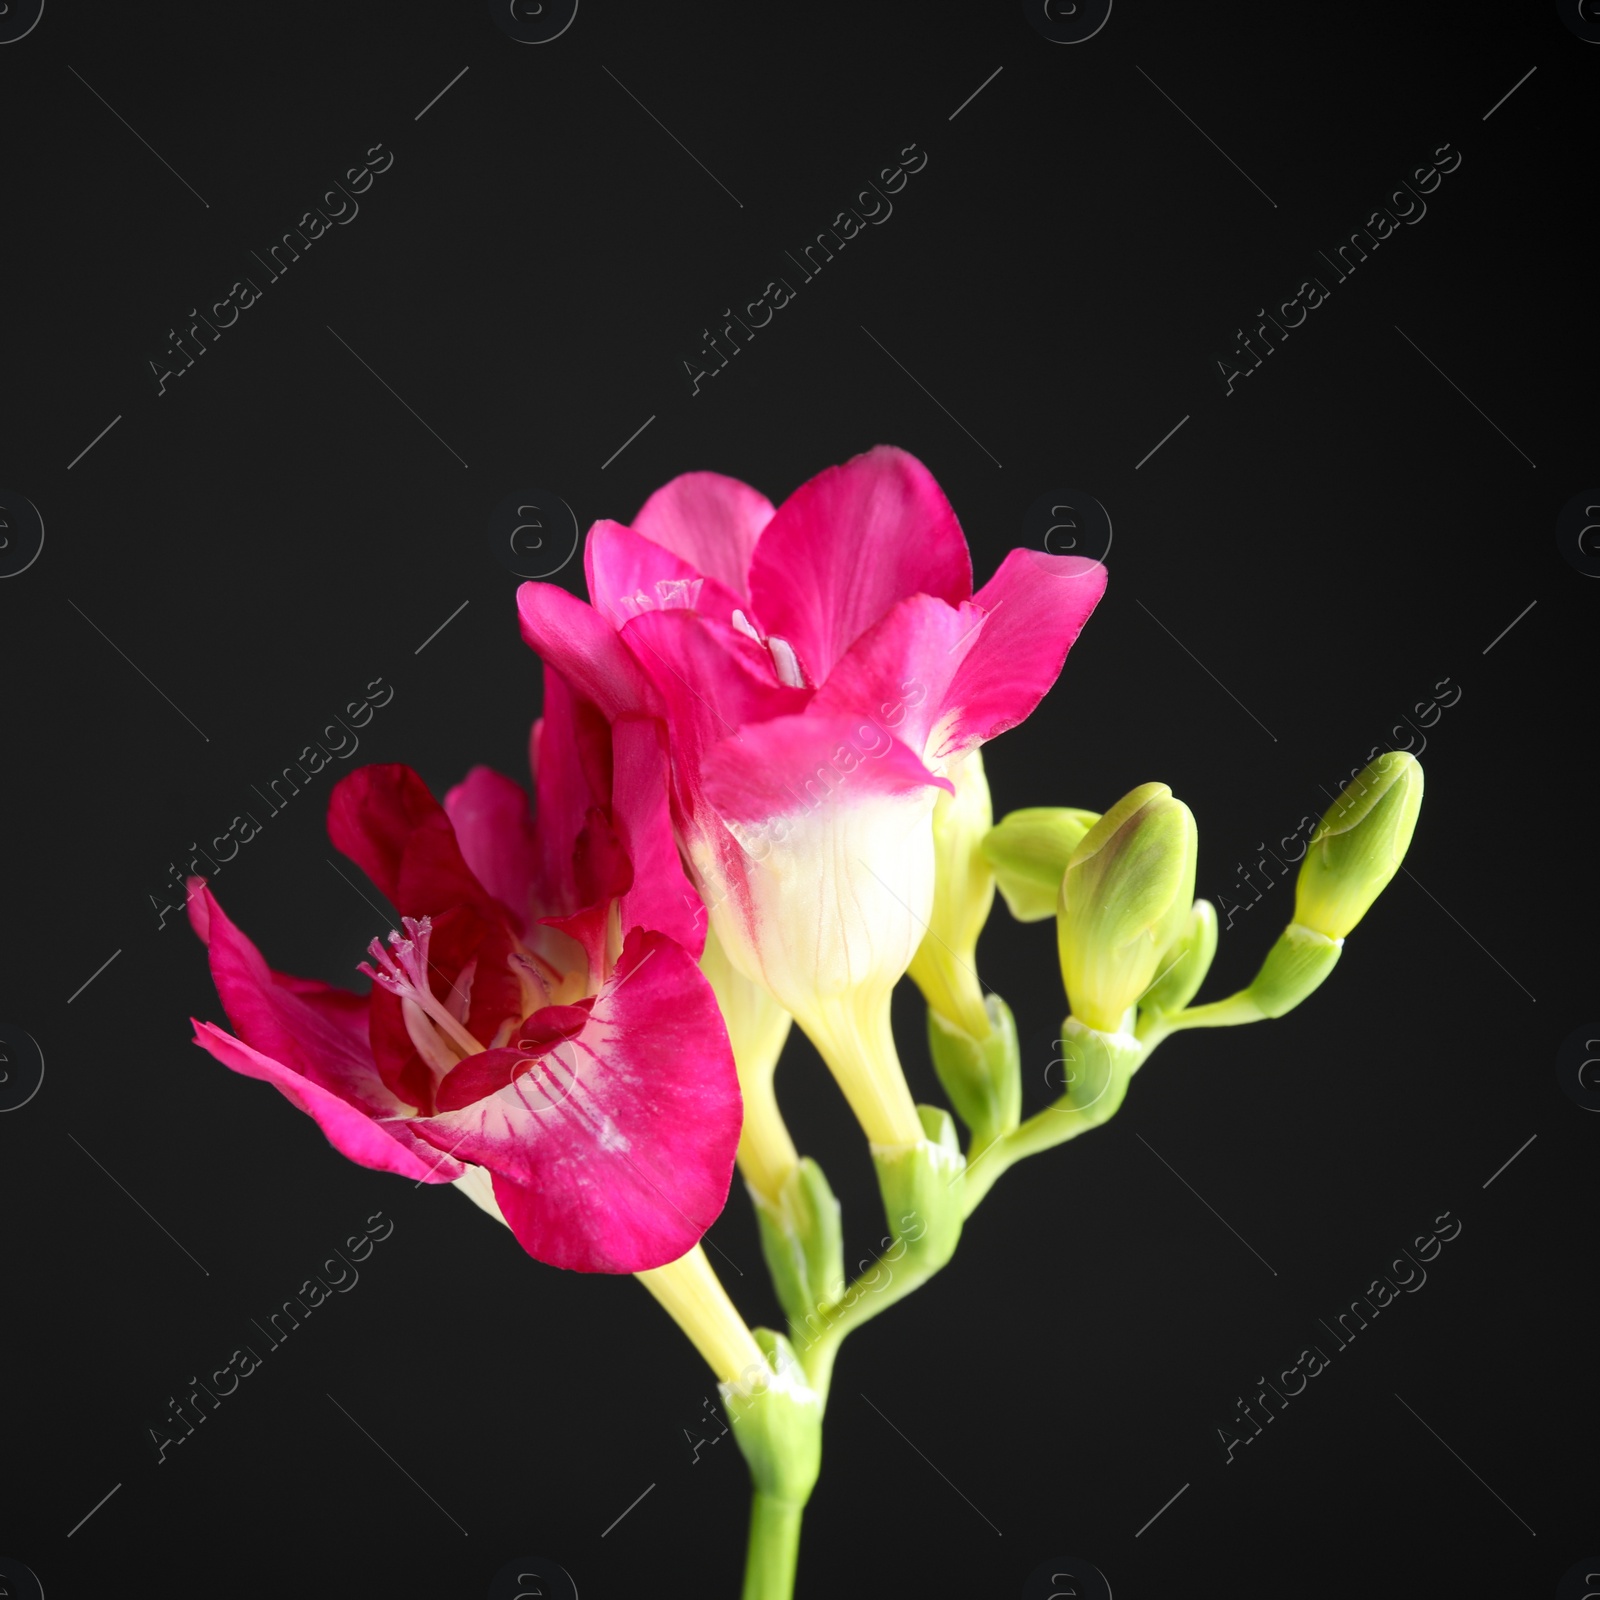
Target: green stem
x,y
774,1548
1227,1013
863,1302
1048,1128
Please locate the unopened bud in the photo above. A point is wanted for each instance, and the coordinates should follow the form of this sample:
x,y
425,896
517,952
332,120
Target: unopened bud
x,y
1029,851
1359,846
1125,901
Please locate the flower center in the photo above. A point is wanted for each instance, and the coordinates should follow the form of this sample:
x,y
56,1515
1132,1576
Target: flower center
x,y
403,971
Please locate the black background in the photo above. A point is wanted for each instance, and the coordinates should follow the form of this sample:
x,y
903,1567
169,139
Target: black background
x,y
1332,540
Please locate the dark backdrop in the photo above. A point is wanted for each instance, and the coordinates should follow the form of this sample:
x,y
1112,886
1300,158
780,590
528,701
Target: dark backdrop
x,y
1294,569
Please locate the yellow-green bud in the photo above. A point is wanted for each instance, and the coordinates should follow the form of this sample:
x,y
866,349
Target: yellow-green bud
x,y
1126,899
1186,964
1359,846
1029,851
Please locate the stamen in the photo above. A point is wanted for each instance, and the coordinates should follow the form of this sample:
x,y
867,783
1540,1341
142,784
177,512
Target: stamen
x,y
403,971
787,663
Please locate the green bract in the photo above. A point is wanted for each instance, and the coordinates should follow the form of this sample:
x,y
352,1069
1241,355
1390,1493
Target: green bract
x,y
983,1077
1186,964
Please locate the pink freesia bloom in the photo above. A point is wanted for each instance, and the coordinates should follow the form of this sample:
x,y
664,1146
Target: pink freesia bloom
x,y
824,670
542,1018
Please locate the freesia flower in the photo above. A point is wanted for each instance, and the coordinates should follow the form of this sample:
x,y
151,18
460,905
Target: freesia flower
x,y
822,670
541,1021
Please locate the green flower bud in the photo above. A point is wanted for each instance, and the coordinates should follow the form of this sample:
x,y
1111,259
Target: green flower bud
x,y
1185,964
1359,846
1295,966
1126,899
945,965
1029,851
802,1241
983,1077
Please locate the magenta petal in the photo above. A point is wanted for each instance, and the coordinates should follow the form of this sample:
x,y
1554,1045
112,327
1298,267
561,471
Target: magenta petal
x,y
794,764
312,1037
615,1152
493,825
1037,606
372,813
661,897
711,678
584,648
629,574
388,1145
712,522
572,774
843,548
340,1009
898,673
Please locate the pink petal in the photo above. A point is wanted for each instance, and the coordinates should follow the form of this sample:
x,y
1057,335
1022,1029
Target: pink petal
x,y
661,897
488,1072
493,825
1037,606
340,1008
312,1037
615,1153
584,648
794,764
572,763
602,874
629,574
372,813
710,678
712,522
843,548
388,1146
897,675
